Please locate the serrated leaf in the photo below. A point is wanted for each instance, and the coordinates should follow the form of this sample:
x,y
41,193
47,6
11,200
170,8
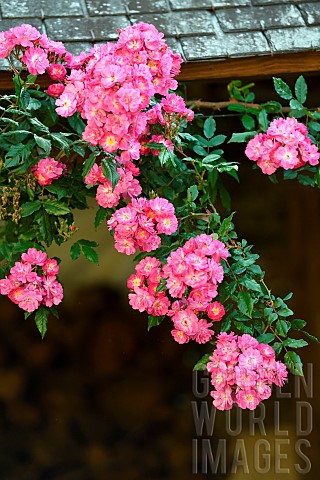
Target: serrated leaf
x,y
41,319
248,122
100,217
76,123
154,321
266,338
202,363
282,328
301,89
277,347
109,170
293,362
312,337
263,120
90,254
295,105
200,150
17,154
236,107
59,140
45,228
282,88
242,137
298,324
39,126
251,284
43,143
75,251
55,207
293,343
315,126
24,99
192,193
88,164
209,127
217,140
245,303
225,225
30,207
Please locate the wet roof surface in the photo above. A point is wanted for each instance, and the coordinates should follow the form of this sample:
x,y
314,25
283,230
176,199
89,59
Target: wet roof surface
x,y
197,29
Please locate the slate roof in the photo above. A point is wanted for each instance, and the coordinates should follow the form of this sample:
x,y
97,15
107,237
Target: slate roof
x,y
200,30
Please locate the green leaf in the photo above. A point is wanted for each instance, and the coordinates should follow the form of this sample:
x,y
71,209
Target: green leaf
x,y
154,321
209,127
282,89
245,303
88,164
192,193
293,343
100,217
17,154
43,143
248,122
217,140
293,362
263,120
266,338
226,225
315,126
41,319
277,347
17,82
54,207
272,106
79,149
45,227
295,105
39,126
236,107
251,284
90,254
282,328
30,207
200,150
242,137
76,123
202,363
301,89
210,158
312,337
75,251
24,99
60,140
109,170
298,324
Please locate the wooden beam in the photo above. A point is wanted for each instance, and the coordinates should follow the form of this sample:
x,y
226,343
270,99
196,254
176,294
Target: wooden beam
x,y
253,67
231,68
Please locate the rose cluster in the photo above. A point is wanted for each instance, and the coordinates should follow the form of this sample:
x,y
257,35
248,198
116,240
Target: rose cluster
x,y
47,170
242,371
139,224
285,145
112,87
127,187
192,274
35,50
33,281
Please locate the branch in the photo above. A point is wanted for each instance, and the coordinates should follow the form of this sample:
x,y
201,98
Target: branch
x,y
221,105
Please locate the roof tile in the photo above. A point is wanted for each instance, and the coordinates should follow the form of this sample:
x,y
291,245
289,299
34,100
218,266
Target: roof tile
x,y
311,12
90,29
145,6
243,44
41,8
105,7
294,39
179,24
250,18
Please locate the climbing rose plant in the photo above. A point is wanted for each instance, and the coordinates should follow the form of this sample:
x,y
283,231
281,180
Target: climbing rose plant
x,y
110,126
